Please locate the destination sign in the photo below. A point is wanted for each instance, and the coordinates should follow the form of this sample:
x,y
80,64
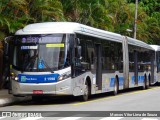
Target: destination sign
x,y
30,39
28,47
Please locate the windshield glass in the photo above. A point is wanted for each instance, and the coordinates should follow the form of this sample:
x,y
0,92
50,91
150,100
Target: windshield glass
x,y
25,58
40,52
52,56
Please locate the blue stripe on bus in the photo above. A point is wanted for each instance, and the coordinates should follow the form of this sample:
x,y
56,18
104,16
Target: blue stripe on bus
x,y
140,79
121,79
47,78
133,79
112,82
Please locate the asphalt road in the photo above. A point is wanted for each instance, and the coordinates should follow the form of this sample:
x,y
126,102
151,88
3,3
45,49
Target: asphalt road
x,y
128,100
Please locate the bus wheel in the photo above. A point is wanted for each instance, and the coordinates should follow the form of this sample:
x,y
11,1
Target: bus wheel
x,y
85,96
149,78
115,92
147,83
144,83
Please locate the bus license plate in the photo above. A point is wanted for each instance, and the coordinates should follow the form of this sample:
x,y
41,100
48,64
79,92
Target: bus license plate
x,y
37,91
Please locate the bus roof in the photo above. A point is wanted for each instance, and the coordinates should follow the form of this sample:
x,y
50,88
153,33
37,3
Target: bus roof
x,y
67,27
139,43
155,47
72,27
48,28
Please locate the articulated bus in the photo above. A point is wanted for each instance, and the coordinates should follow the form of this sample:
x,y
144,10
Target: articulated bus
x,y
66,58
157,62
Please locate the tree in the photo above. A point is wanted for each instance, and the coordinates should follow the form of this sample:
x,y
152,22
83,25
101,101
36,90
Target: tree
x,y
45,10
13,15
150,6
89,12
121,16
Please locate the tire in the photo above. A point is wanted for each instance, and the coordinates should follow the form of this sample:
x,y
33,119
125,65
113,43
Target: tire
x,y
147,83
149,79
115,92
144,83
86,94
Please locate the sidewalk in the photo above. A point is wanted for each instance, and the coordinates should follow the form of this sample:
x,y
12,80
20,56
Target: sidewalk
x,y
6,99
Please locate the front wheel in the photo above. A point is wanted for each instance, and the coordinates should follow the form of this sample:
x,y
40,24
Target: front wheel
x,y
85,95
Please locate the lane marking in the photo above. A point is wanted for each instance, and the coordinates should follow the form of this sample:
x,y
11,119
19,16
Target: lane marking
x,y
31,118
111,97
112,118
70,118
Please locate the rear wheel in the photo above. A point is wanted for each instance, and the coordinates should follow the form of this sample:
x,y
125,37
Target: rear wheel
x,y
149,78
86,93
145,83
115,92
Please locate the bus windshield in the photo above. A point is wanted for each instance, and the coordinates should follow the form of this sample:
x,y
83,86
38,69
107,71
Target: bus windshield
x,y
40,52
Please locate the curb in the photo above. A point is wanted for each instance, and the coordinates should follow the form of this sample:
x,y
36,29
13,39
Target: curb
x,y
7,101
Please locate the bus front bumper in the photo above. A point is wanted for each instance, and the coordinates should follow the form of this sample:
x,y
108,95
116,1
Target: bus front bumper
x,y
30,89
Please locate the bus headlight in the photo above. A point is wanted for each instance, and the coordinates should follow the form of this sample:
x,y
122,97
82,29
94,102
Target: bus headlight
x,y
63,76
14,77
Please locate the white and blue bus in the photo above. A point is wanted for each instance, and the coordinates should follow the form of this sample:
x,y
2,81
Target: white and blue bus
x,y
66,58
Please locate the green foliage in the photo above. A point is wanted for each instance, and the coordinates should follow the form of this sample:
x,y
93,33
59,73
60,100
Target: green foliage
x,y
45,10
111,15
150,6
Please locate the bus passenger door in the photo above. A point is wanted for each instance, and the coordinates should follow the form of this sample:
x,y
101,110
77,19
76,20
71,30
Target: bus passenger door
x,y
99,66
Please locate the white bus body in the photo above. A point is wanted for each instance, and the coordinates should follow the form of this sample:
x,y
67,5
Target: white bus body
x,y
99,61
